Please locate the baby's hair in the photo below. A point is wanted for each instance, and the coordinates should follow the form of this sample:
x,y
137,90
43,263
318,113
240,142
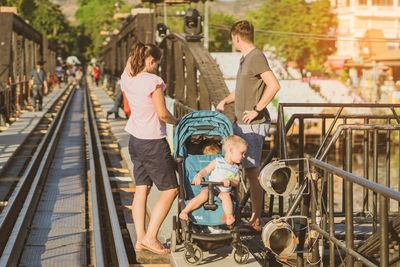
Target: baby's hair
x,y
233,140
211,149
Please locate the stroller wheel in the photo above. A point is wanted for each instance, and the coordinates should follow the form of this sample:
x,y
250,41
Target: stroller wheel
x,y
240,254
173,241
192,254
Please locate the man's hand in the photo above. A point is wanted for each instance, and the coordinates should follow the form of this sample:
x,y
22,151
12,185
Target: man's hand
x,y
221,106
249,115
197,179
226,182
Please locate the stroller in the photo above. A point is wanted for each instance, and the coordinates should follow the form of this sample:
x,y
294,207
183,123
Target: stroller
x,y
194,131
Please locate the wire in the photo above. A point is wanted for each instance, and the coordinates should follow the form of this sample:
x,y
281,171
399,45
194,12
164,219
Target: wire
x,y
324,37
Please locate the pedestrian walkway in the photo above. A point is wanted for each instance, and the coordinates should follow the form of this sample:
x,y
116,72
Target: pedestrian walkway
x,y
222,256
16,133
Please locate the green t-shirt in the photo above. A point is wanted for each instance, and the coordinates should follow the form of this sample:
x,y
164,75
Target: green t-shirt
x,y
249,85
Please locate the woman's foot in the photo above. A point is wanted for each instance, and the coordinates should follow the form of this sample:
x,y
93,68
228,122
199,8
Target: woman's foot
x,y
138,246
183,216
155,247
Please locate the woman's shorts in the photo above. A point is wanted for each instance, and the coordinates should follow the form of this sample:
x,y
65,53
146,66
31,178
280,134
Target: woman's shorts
x,y
254,134
152,163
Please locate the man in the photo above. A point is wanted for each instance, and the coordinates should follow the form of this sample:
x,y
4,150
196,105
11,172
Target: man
x,y
38,83
256,86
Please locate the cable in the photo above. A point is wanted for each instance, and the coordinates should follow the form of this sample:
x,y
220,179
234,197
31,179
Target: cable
x,y
324,37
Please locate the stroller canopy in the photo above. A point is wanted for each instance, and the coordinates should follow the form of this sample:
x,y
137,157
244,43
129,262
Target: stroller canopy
x,y
200,122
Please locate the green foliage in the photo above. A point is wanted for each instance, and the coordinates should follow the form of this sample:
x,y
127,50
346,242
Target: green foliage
x,y
92,22
219,32
295,16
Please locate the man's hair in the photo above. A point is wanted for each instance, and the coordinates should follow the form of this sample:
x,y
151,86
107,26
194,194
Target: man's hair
x,y
244,29
233,140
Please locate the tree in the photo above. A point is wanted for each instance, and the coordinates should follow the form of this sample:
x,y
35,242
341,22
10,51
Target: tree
x,y
220,36
310,21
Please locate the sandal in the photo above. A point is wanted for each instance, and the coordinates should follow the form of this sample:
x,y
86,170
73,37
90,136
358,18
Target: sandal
x,y
248,228
153,247
138,246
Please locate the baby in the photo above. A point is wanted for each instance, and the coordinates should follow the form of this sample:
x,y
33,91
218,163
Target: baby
x,y
222,169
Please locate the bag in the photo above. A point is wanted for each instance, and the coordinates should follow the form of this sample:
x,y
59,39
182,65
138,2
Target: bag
x,y
127,109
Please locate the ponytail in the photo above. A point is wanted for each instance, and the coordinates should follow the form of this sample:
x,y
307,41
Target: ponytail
x,y
138,54
136,58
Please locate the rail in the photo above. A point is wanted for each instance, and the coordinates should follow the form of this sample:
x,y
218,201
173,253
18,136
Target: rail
x,y
17,215
103,206
383,194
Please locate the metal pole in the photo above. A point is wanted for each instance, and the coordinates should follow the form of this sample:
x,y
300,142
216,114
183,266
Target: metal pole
x,y
384,231
366,166
348,187
165,13
331,220
375,177
206,24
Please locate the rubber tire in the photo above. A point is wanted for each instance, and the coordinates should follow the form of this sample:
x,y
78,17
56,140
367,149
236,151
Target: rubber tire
x,y
187,257
241,259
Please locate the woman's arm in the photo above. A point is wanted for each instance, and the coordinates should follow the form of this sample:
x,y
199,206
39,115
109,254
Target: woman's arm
x,y
161,109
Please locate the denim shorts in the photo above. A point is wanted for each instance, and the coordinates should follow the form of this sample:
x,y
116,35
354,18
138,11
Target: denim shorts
x,y
152,163
254,134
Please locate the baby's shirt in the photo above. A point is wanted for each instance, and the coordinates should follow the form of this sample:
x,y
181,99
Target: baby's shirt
x,y
223,170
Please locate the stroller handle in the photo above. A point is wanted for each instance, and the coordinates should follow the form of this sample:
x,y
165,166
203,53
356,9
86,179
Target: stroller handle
x,y
210,205
211,183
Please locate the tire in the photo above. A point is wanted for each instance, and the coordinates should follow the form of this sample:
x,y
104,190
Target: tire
x,y
193,260
241,254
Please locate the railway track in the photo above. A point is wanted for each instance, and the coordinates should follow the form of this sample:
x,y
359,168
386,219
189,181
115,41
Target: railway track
x,y
66,193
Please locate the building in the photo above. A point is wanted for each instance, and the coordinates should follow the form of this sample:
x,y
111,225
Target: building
x,y
355,20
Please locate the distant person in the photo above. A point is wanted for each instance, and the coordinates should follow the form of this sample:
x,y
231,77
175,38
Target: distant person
x,y
38,83
148,147
79,77
96,75
118,101
223,169
256,86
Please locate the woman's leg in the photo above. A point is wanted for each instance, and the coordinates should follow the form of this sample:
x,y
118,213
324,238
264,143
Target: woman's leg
x,y
227,207
139,210
159,212
193,204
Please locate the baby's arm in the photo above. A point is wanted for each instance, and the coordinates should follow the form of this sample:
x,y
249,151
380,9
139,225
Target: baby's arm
x,y
232,182
203,172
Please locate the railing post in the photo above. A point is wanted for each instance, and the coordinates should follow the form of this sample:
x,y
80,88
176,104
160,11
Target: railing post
x,y
331,219
366,167
23,90
375,177
348,192
384,231
17,91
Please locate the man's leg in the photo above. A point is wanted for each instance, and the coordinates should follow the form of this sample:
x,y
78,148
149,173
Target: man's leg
x,y
256,195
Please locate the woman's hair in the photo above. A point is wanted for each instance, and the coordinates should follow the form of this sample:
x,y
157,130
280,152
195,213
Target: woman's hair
x,y
244,29
231,141
138,54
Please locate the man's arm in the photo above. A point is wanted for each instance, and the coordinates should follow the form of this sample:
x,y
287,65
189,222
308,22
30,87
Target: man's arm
x,y
272,88
227,100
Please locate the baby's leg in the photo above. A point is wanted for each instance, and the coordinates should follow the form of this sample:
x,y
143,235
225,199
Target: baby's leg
x,y
193,204
227,207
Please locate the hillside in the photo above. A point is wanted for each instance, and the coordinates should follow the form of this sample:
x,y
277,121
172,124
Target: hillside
x,y
236,9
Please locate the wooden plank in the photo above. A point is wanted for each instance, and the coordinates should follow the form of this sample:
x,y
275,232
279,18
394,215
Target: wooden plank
x,y
121,170
124,189
191,80
205,103
169,69
179,73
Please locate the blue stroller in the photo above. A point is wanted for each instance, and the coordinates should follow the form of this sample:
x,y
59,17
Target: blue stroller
x,y
194,132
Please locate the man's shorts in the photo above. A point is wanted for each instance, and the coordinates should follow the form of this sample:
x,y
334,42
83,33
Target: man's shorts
x,y
152,163
254,134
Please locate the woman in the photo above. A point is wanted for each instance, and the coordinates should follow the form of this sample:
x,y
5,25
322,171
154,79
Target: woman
x,y
148,147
